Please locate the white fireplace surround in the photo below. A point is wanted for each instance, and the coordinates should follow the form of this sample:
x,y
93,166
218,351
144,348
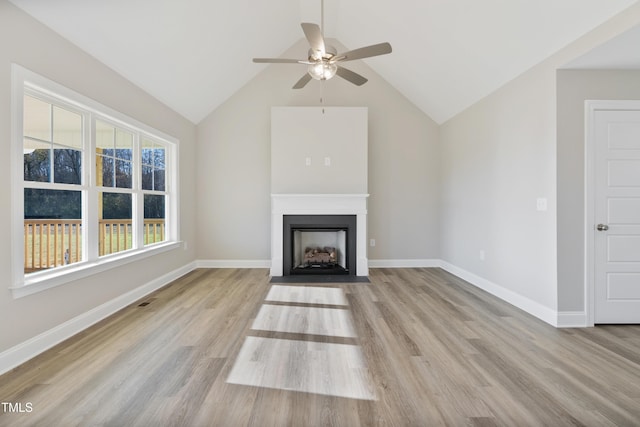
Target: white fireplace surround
x,y
319,204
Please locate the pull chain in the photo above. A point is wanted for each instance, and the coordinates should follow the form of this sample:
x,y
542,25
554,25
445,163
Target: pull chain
x,y
322,31
322,17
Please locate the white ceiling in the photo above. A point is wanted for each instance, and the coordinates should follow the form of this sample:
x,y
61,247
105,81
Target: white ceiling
x,y
620,53
447,54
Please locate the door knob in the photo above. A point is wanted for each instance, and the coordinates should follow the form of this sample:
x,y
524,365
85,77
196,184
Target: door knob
x,y
602,227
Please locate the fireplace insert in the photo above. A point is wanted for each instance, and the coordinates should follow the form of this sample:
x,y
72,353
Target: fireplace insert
x,y
319,244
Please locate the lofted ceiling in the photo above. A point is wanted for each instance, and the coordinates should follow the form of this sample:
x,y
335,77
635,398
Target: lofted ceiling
x,y
447,54
619,53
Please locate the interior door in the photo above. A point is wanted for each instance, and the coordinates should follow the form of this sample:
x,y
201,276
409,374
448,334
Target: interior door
x,y
617,217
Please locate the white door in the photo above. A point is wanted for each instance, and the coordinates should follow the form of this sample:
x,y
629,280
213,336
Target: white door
x,y
617,217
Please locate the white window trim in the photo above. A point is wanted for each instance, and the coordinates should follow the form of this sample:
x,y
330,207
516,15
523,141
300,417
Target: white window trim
x,y
35,282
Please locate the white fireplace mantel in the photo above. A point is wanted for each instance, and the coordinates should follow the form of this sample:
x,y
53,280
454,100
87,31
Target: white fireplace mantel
x,y
319,204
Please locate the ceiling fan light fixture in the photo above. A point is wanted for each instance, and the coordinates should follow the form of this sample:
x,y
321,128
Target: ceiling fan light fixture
x,y
322,58
322,70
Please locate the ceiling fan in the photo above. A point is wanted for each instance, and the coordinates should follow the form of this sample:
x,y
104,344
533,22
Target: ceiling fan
x,y
323,59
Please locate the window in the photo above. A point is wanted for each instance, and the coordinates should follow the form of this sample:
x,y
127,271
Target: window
x,y
154,190
52,170
114,177
93,188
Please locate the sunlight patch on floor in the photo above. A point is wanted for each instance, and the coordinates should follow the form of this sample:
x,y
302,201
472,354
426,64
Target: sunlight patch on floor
x,y
330,322
307,294
312,367
303,365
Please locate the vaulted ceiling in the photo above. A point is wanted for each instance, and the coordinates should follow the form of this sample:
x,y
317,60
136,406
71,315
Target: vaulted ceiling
x,y
447,54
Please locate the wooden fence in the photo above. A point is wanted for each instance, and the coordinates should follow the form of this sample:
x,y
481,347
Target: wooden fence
x,y
54,242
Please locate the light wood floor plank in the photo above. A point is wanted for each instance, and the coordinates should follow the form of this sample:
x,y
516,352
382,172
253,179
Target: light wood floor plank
x,y
434,351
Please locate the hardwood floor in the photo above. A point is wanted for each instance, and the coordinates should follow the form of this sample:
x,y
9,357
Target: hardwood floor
x,y
423,348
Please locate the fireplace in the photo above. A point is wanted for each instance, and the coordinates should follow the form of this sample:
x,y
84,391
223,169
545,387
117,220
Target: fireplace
x,y
319,244
326,213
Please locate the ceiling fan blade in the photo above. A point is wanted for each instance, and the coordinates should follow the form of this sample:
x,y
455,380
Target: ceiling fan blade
x,y
365,52
314,36
303,81
349,75
279,61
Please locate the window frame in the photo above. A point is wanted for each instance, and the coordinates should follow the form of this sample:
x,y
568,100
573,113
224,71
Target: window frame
x,y
26,82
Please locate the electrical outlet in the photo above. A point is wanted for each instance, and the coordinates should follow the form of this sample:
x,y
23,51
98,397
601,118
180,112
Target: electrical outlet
x,y
372,242
541,204
185,246
482,255
307,161
327,161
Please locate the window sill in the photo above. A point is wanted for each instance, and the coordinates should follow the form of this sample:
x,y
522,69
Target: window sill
x,y
41,281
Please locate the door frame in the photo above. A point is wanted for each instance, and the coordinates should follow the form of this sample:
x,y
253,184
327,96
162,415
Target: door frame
x,y
591,108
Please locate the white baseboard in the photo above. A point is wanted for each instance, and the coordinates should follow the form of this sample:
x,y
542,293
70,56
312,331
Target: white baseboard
x,y
544,313
572,319
26,350
266,263
404,263
234,263
534,308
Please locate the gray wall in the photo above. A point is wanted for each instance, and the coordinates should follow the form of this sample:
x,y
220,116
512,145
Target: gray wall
x,y
503,153
234,165
574,87
498,159
315,134
28,43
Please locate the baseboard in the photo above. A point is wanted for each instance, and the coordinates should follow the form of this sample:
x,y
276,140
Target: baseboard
x,y
550,316
523,303
234,263
404,263
572,319
24,351
266,263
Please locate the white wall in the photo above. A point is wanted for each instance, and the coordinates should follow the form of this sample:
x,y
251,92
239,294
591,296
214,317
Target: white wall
x,y
234,165
28,43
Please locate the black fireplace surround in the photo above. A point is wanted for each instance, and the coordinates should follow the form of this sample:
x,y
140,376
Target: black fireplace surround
x,y
294,223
